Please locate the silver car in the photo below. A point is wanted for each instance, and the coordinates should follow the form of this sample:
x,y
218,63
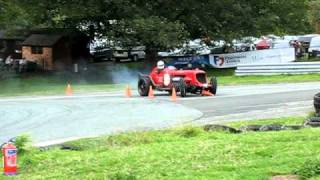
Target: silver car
x,y
135,54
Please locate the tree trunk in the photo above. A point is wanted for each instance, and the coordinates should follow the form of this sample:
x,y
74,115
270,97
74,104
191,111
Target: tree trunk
x,y
151,57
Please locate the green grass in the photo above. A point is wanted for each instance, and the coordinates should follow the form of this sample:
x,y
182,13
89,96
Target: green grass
x,y
227,77
97,81
282,121
51,85
182,153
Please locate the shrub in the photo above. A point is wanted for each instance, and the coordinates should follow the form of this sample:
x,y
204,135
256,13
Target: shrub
x,y
189,132
23,143
309,169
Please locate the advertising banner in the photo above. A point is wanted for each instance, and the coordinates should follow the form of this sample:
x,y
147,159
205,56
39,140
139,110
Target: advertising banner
x,y
195,61
283,55
231,60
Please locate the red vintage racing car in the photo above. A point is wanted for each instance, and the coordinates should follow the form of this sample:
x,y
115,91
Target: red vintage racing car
x,y
184,81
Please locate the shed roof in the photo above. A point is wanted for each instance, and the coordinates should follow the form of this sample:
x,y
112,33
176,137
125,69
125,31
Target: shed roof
x,y
44,40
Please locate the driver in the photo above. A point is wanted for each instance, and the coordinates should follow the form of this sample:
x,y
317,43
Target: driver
x,y
160,66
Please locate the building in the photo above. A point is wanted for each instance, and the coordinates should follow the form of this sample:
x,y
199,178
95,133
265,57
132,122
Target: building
x,y
54,51
50,52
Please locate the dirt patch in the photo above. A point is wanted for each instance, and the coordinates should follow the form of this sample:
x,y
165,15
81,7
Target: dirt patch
x,y
284,177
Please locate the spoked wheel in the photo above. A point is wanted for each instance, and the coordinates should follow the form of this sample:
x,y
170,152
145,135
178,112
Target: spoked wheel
x,y
144,86
182,88
214,85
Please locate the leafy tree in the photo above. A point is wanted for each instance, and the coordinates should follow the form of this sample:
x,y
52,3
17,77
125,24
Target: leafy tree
x,y
314,14
154,32
161,24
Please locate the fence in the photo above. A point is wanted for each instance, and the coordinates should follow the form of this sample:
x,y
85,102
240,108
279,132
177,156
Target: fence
x,y
279,68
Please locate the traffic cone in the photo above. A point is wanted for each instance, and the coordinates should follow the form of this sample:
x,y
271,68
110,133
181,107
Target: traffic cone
x,y
174,95
69,90
206,93
128,92
151,95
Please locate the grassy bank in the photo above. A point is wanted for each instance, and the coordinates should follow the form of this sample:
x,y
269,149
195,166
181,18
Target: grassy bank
x,y
182,153
227,77
51,85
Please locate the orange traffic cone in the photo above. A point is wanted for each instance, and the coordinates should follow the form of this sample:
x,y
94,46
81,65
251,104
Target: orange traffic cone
x,y
174,95
69,90
151,95
128,92
206,93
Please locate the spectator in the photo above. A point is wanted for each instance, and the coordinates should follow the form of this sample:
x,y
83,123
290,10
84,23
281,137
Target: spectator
x,y
8,63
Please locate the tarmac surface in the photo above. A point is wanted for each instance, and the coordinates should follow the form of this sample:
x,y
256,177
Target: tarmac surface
x,y
56,119
48,120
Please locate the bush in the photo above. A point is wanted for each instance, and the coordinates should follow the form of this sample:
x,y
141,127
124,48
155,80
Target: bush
x,y
309,169
122,176
311,114
189,132
23,143
130,139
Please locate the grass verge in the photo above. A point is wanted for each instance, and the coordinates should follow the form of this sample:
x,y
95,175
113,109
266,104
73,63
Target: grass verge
x,y
51,85
227,77
39,84
182,153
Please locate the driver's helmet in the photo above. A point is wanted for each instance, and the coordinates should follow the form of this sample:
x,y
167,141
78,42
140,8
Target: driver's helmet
x,y
160,65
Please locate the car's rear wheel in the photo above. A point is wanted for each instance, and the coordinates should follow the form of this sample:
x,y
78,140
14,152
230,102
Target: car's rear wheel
x,y
144,86
182,88
316,103
214,85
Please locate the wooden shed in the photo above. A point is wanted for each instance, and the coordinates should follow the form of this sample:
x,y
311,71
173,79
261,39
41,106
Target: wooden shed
x,y
50,52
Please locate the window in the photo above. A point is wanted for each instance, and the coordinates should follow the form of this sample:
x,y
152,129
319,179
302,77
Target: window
x,y
36,50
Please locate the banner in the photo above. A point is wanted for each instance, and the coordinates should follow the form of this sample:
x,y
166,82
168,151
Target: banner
x,y
283,55
184,61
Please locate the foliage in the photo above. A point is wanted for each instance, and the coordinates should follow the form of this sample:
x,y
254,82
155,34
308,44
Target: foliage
x,y
159,32
282,121
189,132
314,14
309,169
23,143
168,155
160,24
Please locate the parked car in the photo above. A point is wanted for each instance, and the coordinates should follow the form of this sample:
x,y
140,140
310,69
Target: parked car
x,y
101,53
278,44
135,53
314,47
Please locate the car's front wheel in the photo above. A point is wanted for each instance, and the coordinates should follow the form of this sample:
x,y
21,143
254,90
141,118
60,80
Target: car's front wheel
x,y
144,86
182,88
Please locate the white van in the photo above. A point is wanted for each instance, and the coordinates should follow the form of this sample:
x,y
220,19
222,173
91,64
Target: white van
x,y
279,44
135,54
314,48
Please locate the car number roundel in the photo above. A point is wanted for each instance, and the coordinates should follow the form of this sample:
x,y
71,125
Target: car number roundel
x,y
166,79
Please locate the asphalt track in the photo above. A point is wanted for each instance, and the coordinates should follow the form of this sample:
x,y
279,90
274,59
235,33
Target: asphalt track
x,y
58,118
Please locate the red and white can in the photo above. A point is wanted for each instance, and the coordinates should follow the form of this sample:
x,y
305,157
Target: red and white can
x,y
9,152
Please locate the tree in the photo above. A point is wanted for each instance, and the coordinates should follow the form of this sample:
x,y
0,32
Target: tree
x,y
154,32
314,15
161,24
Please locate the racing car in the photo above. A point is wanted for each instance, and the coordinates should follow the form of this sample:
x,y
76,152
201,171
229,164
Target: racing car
x,y
183,81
